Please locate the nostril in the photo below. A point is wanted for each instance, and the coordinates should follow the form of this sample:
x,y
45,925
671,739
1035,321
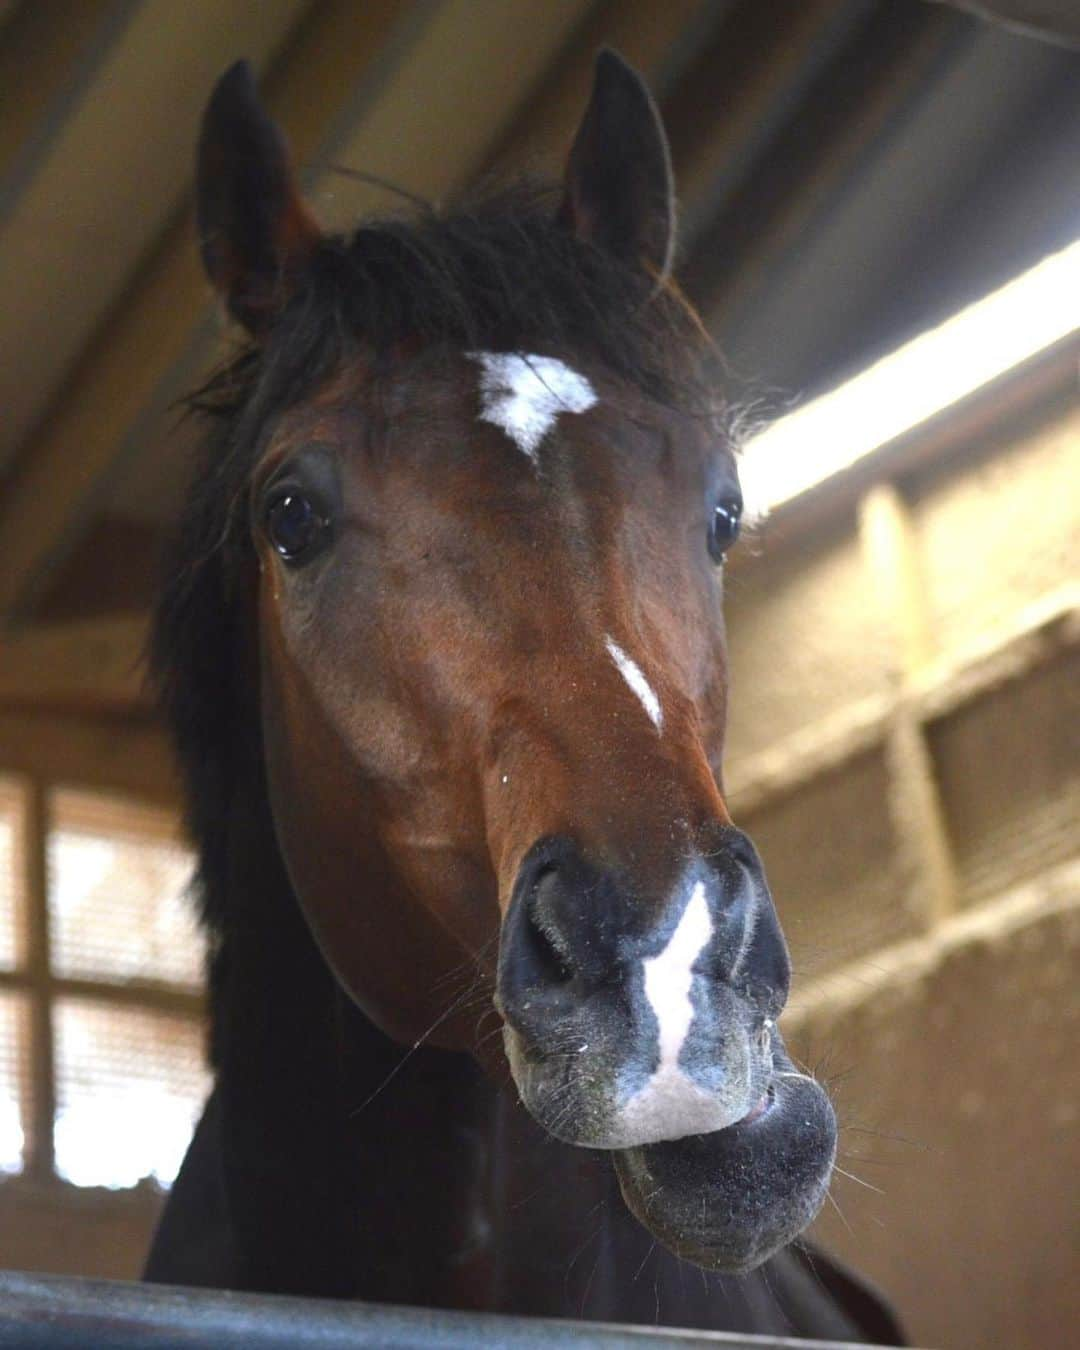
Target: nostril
x,y
548,943
538,965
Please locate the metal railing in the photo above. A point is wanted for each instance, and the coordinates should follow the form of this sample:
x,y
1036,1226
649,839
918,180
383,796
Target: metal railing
x,y
50,1312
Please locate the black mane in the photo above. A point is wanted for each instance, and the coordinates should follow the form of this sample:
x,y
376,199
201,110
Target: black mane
x,y
498,273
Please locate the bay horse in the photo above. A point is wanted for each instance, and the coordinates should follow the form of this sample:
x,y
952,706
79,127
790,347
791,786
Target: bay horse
x,y
494,979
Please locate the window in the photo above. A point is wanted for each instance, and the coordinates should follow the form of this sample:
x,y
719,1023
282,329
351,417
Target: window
x,y
101,1025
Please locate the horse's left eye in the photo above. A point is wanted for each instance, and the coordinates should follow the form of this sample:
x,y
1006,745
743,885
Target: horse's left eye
x,y
724,527
294,526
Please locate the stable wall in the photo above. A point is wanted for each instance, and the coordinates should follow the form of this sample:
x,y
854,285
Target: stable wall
x,y
904,748
65,1230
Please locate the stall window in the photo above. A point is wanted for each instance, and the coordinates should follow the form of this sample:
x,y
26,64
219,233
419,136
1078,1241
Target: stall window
x,y
101,1014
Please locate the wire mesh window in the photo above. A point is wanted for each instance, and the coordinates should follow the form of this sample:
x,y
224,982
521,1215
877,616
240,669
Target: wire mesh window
x,y
12,1083
101,1072
116,892
128,1085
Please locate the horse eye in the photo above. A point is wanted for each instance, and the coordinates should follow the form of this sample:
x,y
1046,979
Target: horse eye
x,y
294,526
724,527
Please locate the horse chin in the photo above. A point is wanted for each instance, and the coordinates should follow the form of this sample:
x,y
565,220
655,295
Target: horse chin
x,y
729,1200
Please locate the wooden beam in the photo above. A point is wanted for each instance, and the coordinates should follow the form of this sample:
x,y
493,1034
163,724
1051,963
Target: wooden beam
x,y
91,665
426,115
796,177
155,995
892,559
1031,638
905,964
433,123
740,90
1050,20
42,1079
126,755
645,33
112,172
114,405
45,48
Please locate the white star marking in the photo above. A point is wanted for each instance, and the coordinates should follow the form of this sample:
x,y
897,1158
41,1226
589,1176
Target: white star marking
x,y
524,395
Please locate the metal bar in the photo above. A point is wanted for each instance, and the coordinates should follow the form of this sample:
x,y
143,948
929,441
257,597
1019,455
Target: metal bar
x,y
49,1312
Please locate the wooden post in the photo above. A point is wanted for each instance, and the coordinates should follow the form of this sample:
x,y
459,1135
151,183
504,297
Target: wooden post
x,y
40,1161
915,803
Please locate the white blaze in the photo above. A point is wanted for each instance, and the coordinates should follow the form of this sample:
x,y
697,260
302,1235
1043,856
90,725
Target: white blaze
x,y
524,395
671,1105
631,673
669,977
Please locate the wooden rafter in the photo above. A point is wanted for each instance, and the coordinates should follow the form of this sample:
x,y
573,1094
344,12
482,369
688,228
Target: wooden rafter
x,y
109,168
84,666
419,99
123,753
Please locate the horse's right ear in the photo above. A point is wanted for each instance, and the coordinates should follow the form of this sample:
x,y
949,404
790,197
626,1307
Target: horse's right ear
x,y
255,233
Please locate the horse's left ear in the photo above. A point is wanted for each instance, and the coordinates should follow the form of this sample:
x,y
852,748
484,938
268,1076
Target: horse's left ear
x,y
619,192
255,232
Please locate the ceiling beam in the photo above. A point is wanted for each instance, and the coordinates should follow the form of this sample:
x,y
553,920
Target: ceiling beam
x,y
47,50
93,665
645,33
742,89
110,172
129,755
1050,20
421,102
99,420
852,101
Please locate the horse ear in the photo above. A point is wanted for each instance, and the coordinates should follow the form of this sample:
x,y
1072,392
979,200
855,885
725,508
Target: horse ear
x,y
255,233
619,192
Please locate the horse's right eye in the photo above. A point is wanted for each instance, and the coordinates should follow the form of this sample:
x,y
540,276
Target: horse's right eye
x,y
294,526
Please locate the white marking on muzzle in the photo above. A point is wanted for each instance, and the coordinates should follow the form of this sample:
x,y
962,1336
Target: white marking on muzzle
x,y
631,673
671,1105
669,977
524,395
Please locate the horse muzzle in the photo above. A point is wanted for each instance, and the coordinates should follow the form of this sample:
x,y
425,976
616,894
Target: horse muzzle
x,y
648,1027
634,1019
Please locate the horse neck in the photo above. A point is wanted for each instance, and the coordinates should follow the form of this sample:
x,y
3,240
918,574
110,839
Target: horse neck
x,y
325,1120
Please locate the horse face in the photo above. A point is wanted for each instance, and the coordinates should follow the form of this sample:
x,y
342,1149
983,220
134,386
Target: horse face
x,y
494,679
493,691
510,641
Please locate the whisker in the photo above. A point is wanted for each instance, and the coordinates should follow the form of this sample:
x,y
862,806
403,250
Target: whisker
x,y
843,1217
852,1177
644,1262
407,1056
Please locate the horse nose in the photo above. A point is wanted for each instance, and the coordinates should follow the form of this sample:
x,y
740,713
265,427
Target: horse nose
x,y
574,929
558,935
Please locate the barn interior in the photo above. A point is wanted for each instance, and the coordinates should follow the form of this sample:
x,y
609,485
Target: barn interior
x,y
904,627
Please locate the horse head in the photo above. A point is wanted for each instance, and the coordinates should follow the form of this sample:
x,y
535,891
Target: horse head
x,y
484,499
